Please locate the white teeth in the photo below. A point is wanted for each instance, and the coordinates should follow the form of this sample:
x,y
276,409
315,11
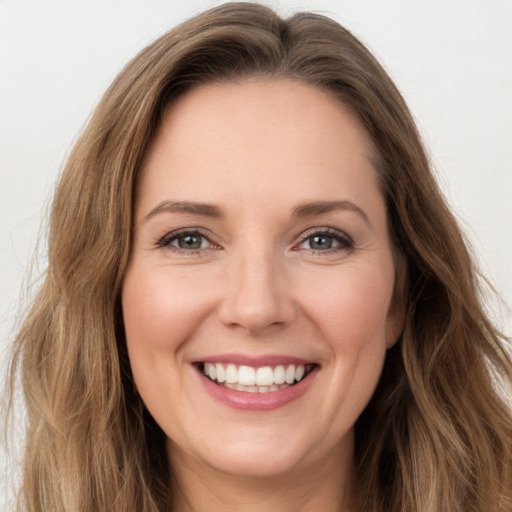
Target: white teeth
x,y
231,374
255,389
264,376
279,375
290,374
221,374
299,372
263,380
246,376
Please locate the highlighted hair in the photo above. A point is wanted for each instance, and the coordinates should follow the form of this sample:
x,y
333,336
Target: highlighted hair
x,y
436,436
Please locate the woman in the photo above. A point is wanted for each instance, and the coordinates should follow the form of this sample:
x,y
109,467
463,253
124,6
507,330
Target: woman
x,y
256,296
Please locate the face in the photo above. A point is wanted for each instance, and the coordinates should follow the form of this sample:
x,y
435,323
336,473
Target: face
x,y
258,299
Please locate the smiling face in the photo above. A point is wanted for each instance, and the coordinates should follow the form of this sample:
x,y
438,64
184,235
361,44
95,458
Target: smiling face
x,y
261,257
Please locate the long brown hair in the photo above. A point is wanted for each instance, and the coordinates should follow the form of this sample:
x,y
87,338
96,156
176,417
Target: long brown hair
x,y
437,434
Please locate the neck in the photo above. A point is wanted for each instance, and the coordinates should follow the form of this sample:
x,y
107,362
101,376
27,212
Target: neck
x,y
323,486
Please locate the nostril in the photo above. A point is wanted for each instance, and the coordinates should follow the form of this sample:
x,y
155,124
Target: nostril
x,y
256,301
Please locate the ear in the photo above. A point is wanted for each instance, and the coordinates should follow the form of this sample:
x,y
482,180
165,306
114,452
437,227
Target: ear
x,y
396,312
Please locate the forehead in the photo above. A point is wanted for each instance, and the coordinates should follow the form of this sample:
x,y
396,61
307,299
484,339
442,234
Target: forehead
x,y
283,107
257,137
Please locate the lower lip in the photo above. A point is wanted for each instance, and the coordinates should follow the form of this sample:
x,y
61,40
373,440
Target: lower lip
x,y
258,401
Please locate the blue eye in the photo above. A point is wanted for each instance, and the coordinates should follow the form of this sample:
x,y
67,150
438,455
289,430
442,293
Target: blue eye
x,y
186,241
191,241
321,242
325,240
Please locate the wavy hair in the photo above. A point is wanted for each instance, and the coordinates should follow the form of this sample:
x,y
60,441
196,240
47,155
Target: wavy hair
x,y
437,434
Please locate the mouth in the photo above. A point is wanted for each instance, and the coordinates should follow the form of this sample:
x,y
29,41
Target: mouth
x,y
248,379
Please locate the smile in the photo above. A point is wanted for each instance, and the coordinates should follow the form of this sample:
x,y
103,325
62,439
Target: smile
x,y
265,379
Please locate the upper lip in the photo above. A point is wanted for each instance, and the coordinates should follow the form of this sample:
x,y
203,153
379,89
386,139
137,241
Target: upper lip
x,y
255,361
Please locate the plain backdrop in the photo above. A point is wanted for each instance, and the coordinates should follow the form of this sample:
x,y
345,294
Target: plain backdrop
x,y
452,60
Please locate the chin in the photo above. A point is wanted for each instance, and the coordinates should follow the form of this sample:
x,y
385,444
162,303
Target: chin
x,y
257,453
255,462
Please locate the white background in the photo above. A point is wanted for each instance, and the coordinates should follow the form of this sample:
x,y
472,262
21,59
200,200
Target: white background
x,y
452,60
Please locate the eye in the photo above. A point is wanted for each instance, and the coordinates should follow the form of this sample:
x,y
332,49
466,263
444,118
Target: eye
x,y
187,241
325,240
320,242
192,241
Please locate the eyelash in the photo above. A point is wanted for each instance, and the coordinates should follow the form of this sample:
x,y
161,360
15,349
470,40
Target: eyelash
x,y
166,241
344,241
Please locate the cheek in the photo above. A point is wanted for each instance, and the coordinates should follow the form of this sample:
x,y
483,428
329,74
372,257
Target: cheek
x,y
158,312
351,314
351,306
160,316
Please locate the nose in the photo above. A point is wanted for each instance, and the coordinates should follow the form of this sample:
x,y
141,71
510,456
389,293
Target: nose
x,y
257,294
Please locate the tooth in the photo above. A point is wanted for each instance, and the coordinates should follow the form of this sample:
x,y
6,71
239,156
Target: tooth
x,y
290,374
249,379
231,374
279,375
247,376
221,374
299,372
264,376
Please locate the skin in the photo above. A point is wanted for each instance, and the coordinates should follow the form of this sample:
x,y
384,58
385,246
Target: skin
x,y
259,286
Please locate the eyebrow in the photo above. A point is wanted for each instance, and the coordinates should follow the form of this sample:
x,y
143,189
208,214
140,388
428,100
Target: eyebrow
x,y
203,209
301,210
322,207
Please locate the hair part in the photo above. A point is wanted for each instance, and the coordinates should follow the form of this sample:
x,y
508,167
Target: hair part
x,y
436,435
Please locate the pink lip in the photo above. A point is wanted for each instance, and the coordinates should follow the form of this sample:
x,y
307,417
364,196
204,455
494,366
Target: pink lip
x,y
255,361
257,401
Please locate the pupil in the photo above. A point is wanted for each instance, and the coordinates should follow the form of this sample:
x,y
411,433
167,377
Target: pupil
x,y
189,242
321,242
